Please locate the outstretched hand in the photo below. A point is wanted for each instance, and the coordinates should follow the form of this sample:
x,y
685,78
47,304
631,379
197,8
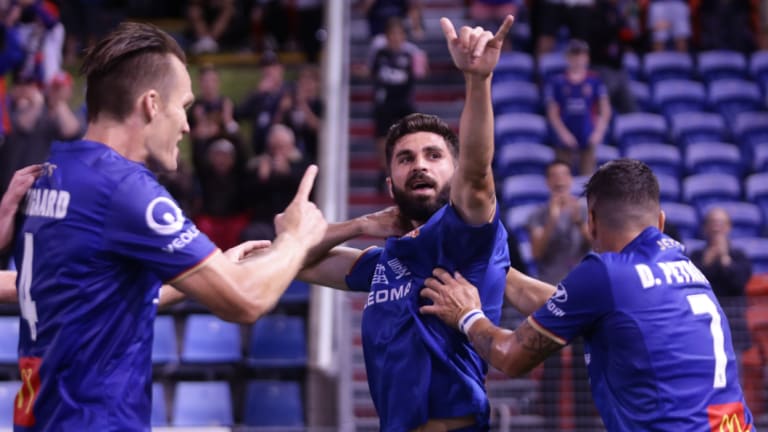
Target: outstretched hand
x,y
475,50
452,296
302,218
20,183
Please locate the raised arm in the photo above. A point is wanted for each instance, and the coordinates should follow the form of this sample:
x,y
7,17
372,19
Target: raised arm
x,y
525,293
457,302
20,183
475,52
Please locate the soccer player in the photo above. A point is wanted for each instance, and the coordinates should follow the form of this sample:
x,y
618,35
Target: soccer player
x,y
660,355
422,374
100,235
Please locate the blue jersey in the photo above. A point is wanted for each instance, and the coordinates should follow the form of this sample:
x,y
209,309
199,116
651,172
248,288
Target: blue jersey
x,y
419,368
99,236
659,349
578,102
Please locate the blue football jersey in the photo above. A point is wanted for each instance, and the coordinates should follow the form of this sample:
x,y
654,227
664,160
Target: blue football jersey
x,y
658,345
419,368
578,103
98,237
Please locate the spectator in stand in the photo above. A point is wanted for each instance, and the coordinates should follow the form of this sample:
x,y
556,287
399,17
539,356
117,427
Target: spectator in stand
x,y
86,21
211,109
262,104
221,214
380,12
726,25
670,21
552,15
559,240
273,176
572,100
37,119
608,37
728,270
214,23
301,109
11,56
42,36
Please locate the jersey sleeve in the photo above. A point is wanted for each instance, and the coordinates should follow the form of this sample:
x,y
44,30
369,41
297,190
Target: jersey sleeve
x,y
145,224
580,299
467,241
360,275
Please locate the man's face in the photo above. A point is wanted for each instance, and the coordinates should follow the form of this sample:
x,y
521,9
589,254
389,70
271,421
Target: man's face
x,y
578,61
209,85
717,224
559,180
395,38
422,167
170,123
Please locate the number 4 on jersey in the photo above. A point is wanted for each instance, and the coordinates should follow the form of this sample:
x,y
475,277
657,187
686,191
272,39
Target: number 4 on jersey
x,y
28,309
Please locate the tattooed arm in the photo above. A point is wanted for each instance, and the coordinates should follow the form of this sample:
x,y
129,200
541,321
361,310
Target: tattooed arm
x,y
512,352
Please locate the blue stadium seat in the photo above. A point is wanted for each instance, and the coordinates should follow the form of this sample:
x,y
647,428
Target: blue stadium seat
x,y
630,62
689,128
662,158
207,403
642,94
678,96
733,97
693,244
297,293
520,127
513,66
524,189
750,129
515,97
746,218
756,248
758,67
659,66
551,64
635,128
710,157
208,339
704,189
164,346
273,403
577,188
523,158
8,390
715,65
9,339
518,217
278,341
683,217
605,153
159,410
669,187
760,157
756,191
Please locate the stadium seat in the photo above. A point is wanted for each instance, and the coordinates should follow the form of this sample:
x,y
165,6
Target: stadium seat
x,y
524,189
278,341
733,97
164,346
550,65
710,157
159,411
297,293
750,129
715,65
577,188
689,128
746,218
208,339
520,127
683,217
756,191
515,97
642,94
758,67
635,128
8,390
677,96
693,244
659,66
630,62
207,403
9,339
760,157
513,66
605,153
669,187
703,189
662,158
756,248
273,403
518,217
523,158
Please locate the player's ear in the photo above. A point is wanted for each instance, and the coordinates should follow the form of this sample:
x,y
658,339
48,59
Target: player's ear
x,y
591,224
389,187
662,220
150,104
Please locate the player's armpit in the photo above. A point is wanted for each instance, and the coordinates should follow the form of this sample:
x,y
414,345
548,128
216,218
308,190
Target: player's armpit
x,y
331,271
512,352
8,287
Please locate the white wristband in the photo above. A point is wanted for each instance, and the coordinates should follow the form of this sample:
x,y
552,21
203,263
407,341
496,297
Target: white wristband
x,y
469,318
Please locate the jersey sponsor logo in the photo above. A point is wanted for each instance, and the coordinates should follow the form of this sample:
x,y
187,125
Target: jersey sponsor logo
x,y
184,239
380,275
560,295
23,414
49,203
727,417
398,268
388,294
164,216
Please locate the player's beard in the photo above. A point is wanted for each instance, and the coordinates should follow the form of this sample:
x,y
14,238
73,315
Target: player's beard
x,y
419,209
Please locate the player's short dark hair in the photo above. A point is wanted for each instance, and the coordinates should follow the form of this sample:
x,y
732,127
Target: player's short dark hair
x,y
418,122
127,62
623,191
555,163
